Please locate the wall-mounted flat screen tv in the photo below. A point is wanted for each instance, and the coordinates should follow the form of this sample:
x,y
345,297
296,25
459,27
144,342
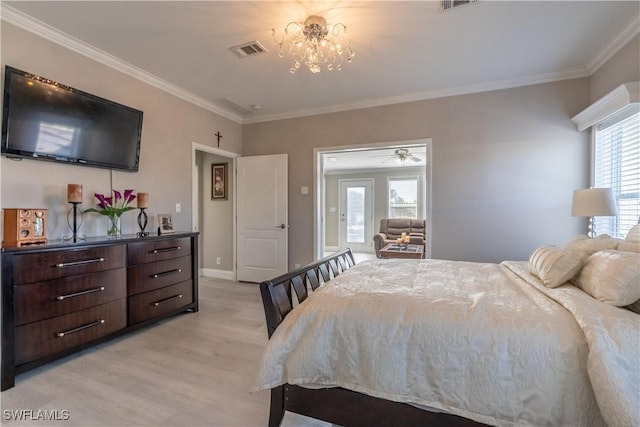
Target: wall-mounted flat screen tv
x,y
45,120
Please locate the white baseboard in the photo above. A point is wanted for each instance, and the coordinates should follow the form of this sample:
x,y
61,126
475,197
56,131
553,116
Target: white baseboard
x,y
217,274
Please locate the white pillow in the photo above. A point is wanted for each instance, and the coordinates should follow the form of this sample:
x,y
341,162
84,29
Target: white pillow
x,y
554,266
587,246
612,277
634,234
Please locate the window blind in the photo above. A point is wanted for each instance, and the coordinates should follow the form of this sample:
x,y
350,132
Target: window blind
x,y
403,198
617,166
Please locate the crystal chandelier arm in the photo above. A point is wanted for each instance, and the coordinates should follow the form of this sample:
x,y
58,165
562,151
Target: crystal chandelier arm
x,y
335,30
273,34
298,29
295,34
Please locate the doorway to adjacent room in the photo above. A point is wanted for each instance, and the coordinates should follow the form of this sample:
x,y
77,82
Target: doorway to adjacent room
x,y
340,222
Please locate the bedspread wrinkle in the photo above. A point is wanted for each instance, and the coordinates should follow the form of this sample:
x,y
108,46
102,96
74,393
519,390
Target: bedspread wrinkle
x,y
471,339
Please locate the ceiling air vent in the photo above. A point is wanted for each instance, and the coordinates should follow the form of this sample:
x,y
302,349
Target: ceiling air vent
x,y
451,4
228,104
248,49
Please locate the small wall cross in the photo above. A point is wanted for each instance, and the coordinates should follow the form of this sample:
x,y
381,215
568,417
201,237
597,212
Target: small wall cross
x,y
219,135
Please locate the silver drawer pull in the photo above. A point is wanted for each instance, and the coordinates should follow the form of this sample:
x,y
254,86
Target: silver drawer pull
x,y
162,301
166,273
74,263
173,248
77,294
80,328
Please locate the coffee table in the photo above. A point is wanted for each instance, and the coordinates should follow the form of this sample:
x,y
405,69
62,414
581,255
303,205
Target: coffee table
x,y
394,250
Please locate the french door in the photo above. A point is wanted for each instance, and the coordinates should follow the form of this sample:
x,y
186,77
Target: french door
x,y
356,215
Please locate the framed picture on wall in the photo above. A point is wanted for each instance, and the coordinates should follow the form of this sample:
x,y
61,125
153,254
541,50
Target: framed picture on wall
x,y
165,222
219,181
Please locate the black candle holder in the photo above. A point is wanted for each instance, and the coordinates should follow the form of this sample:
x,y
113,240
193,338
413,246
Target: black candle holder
x,y
142,223
75,226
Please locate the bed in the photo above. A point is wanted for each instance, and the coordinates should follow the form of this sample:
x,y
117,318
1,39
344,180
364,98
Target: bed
x,y
435,342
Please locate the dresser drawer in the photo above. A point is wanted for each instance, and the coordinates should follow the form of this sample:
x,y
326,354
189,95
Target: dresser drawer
x,y
155,303
46,337
151,251
147,277
42,300
41,266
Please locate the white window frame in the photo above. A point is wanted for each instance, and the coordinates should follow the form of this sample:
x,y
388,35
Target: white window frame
x,y
627,95
619,225
419,202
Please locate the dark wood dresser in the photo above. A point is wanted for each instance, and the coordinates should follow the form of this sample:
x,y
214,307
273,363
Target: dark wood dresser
x,y
58,298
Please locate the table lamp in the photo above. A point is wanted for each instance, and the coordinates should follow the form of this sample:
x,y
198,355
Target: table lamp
x,y
592,202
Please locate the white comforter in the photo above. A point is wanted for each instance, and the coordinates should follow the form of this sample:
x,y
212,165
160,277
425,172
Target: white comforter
x,y
471,339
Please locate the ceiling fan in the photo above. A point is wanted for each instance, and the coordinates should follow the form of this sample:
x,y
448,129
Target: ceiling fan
x,y
401,156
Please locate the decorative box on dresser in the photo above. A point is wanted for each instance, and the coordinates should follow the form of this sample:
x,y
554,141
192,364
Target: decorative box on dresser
x,y
60,297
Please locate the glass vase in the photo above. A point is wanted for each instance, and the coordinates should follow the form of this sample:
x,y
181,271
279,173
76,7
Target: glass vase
x,y
113,226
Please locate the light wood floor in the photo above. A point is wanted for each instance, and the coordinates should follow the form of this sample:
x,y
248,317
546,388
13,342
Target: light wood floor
x,y
195,369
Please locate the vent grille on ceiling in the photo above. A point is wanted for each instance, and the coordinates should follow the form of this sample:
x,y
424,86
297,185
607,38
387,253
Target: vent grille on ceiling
x,y
450,4
248,49
232,106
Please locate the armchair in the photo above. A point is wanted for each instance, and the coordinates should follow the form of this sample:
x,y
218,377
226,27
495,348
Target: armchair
x,y
392,228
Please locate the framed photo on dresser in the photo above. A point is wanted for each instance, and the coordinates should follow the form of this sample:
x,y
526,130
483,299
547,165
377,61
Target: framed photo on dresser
x,y
165,223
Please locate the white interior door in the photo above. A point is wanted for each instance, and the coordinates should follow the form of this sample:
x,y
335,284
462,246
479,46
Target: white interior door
x,y
262,225
356,215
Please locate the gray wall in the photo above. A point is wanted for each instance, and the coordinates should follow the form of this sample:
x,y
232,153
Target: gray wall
x,y
380,198
170,126
505,164
623,67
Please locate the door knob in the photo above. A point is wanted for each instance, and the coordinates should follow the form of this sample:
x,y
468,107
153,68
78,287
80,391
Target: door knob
x,y
281,226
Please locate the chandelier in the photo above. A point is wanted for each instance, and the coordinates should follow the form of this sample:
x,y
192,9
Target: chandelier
x,y
314,44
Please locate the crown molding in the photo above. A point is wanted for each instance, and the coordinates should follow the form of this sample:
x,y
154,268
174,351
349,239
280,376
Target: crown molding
x,y
623,37
28,23
619,98
423,96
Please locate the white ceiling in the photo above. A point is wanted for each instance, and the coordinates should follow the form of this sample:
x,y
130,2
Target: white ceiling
x,y
405,51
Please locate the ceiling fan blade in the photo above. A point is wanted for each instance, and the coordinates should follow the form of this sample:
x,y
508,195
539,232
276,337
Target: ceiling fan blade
x,y
385,161
414,158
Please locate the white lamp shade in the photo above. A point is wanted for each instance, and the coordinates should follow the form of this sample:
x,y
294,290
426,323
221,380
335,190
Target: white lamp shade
x,y
594,202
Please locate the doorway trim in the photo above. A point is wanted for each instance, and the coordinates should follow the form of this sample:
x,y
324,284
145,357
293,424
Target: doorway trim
x,y
195,199
320,190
